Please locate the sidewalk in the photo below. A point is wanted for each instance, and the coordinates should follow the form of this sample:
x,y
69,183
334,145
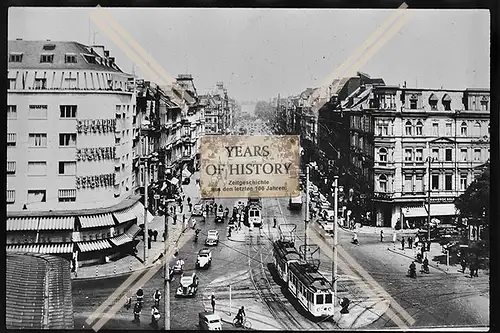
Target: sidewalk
x,y
131,263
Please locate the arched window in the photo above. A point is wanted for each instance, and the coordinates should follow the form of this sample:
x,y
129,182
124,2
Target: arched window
x,y
477,129
419,128
382,182
408,128
382,155
433,101
447,102
463,129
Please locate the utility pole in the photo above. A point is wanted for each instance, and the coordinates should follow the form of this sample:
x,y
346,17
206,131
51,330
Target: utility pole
x,y
335,239
166,283
429,159
146,176
306,219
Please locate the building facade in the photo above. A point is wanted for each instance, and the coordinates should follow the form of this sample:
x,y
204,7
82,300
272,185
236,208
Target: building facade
x,y
218,111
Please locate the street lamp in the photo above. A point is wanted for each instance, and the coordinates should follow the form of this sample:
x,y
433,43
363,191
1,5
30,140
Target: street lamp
x,y
429,160
145,132
335,238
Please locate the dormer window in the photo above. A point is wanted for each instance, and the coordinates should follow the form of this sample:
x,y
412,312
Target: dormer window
x,y
433,100
49,47
90,58
70,58
47,58
447,102
413,102
484,104
16,57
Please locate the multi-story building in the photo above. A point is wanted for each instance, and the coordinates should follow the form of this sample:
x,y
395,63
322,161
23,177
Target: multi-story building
x,y
69,150
218,111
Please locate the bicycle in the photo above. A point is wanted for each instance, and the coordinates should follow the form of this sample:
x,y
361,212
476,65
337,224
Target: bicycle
x,y
242,323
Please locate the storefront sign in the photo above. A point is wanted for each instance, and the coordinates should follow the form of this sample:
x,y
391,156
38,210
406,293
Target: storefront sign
x,y
443,200
95,154
88,126
236,166
104,180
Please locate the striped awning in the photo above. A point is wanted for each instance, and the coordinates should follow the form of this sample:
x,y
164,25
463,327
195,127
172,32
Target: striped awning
x,y
22,223
23,248
138,210
414,211
100,220
120,240
133,231
94,245
56,248
57,223
125,215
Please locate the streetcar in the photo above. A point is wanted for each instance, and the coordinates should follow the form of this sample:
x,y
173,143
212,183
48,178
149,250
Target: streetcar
x,y
284,253
253,216
312,290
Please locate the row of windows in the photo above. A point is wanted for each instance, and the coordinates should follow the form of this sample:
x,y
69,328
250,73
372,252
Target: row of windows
x,y
414,183
69,58
416,155
64,195
40,111
39,168
417,129
39,140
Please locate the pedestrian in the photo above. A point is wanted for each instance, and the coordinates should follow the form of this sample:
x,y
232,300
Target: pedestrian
x,y
394,236
128,304
190,207
463,263
175,219
183,218
164,236
429,245
410,242
155,234
472,269
157,297
274,225
207,208
181,207
476,266
176,252
155,317
213,302
189,200
381,235
402,243
137,313
140,296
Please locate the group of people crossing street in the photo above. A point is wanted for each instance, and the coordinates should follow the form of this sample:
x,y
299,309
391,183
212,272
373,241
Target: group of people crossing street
x,y
155,312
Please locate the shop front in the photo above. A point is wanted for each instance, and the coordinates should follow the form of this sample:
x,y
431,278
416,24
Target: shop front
x,y
416,216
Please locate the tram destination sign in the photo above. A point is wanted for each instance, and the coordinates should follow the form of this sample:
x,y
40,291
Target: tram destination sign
x,y
238,166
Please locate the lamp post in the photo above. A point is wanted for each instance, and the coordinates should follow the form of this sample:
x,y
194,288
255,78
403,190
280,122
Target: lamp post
x,y
145,131
429,160
306,220
166,282
335,239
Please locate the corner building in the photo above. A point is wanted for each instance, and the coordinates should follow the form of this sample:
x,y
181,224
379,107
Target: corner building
x,y
69,152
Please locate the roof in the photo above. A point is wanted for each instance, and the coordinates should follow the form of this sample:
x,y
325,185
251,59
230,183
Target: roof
x,y
38,292
32,51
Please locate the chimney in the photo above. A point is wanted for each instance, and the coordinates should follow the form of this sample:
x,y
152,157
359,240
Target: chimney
x,y
404,84
47,40
106,53
112,60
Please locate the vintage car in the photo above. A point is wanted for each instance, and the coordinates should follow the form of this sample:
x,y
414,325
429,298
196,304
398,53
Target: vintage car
x,y
188,286
197,210
209,321
178,267
204,259
212,237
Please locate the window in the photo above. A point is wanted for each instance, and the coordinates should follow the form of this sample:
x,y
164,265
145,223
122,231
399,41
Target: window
x,y
67,195
382,153
67,111
16,57
11,196
49,47
319,299
463,182
463,129
419,155
419,183
11,139
413,102
67,168
12,84
11,167
67,139
419,128
37,140
40,83
408,183
484,104
477,154
448,154
328,299
433,100
448,130
36,196
90,59
383,183
408,155
477,129
435,182
447,102
463,155
447,182
70,58
37,168
408,128
38,112
46,58
435,154
11,111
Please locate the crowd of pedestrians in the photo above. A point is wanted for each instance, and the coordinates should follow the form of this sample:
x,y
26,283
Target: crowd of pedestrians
x,y
139,304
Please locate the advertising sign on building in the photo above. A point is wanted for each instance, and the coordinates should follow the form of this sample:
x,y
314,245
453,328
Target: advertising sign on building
x,y
237,166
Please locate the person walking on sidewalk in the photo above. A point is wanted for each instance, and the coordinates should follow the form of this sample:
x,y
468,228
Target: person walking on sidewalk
x,y
472,268
157,297
155,234
381,235
175,219
402,243
164,235
128,304
410,242
212,300
155,317
137,313
463,263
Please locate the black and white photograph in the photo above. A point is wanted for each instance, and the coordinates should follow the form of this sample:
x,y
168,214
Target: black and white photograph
x,y
266,169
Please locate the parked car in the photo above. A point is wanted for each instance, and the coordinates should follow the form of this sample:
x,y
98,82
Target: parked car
x,y
204,259
210,321
197,210
179,267
212,237
188,286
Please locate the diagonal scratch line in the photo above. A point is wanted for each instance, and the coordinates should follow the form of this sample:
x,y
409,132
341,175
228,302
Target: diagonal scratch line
x,y
372,38
130,40
132,56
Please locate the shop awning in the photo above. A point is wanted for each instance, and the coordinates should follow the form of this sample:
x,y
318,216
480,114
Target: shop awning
x,y
164,187
173,181
22,223
94,245
133,231
414,212
100,220
120,240
125,215
23,248
186,173
56,248
138,210
443,210
57,223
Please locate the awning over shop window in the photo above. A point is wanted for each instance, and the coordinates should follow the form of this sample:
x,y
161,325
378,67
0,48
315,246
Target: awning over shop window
x,y
120,240
414,212
443,210
57,223
100,220
186,173
174,181
139,212
133,231
56,248
23,248
125,215
22,223
94,245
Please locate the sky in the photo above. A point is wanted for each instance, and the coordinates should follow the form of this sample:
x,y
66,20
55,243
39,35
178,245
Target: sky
x,y
260,53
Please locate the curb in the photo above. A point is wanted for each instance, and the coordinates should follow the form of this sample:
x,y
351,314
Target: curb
x,y
433,266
